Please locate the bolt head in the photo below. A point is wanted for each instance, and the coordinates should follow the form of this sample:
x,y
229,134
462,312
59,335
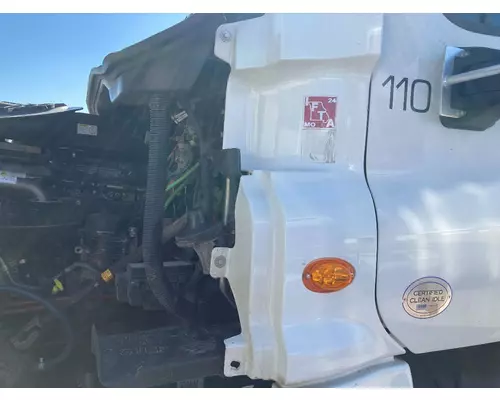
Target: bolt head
x,y
220,262
225,36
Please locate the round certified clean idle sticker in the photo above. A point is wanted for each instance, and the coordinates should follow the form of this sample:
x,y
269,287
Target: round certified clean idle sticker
x,y
427,297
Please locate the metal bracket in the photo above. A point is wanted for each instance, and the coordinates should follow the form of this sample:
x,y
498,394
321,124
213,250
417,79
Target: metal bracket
x,y
445,102
448,80
234,360
219,261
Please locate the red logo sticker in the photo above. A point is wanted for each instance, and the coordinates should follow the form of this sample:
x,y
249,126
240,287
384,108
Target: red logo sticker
x,y
319,112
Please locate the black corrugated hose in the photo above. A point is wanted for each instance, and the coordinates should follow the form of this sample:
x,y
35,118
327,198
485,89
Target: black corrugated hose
x,y
160,127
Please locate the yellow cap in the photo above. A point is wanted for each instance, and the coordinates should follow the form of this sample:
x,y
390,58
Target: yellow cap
x,y
58,286
107,275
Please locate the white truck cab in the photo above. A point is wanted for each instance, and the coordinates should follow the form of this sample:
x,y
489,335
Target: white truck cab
x,y
361,149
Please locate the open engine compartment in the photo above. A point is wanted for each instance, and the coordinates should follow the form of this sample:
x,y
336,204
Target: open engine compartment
x,y
108,220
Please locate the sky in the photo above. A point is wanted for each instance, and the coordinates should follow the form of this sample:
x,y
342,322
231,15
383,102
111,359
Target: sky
x,y
47,58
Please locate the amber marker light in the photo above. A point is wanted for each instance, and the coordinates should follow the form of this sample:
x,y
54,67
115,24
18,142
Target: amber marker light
x,y
327,275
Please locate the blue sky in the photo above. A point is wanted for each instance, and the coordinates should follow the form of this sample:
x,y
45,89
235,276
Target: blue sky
x,y
47,58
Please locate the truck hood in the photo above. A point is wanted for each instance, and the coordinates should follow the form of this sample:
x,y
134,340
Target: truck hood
x,y
169,61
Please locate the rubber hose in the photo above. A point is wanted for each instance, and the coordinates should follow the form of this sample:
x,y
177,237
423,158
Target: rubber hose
x,y
27,186
70,337
5,269
160,126
77,265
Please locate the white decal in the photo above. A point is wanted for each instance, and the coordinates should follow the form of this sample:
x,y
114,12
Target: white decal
x,y
84,129
319,128
9,177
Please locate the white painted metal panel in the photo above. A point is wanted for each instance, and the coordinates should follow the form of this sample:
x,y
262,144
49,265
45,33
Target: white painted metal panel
x,y
436,192
293,209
